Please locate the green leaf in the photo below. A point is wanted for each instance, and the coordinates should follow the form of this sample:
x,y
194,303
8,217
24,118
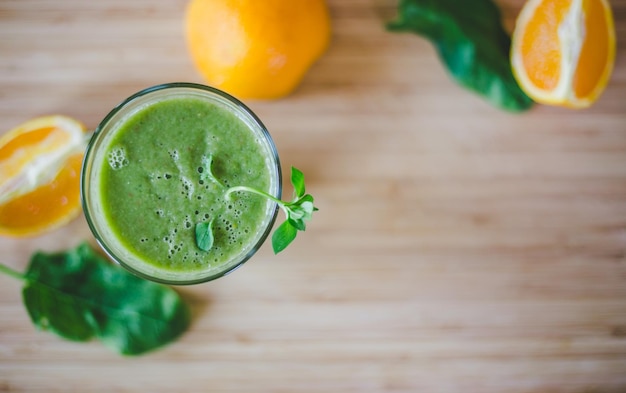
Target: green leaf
x,y
297,180
204,235
300,211
79,295
53,310
471,42
297,223
308,208
283,236
207,170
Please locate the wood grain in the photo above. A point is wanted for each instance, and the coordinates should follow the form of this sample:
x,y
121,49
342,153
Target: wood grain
x,y
457,248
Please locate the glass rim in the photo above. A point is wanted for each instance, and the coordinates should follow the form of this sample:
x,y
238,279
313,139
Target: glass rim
x,y
91,151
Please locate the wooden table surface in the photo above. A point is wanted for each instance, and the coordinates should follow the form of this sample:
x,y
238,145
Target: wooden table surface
x,y
458,248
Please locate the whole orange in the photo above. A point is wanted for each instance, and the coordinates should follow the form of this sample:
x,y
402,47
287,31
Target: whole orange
x,y
256,49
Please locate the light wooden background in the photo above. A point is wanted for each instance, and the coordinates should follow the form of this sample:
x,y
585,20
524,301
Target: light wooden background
x,y
457,248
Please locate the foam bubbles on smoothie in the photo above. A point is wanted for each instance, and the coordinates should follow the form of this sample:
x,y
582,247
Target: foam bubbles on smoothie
x,y
232,231
187,187
226,227
177,243
117,158
188,223
173,243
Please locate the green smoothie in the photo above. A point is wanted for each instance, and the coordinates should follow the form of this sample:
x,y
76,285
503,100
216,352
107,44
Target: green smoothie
x,y
152,187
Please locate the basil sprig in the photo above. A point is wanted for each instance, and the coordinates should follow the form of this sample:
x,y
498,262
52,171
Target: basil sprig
x,y
471,42
297,211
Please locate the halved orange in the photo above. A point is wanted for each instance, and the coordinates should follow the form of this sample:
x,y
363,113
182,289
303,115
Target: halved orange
x,y
563,51
40,163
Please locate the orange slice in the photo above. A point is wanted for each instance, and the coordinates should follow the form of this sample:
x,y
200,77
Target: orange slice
x,y
563,51
40,163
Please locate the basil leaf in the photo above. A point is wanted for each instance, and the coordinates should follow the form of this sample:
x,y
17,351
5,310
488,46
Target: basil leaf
x,y
204,235
79,295
283,236
297,179
471,42
297,222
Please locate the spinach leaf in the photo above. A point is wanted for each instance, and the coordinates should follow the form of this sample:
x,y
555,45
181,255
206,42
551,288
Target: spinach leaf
x,y
79,295
471,42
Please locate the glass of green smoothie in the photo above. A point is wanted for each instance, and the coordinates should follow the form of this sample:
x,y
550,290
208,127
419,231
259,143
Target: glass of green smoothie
x,y
156,171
